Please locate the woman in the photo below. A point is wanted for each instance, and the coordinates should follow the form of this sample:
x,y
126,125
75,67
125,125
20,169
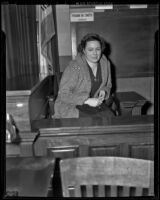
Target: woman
x,y
86,82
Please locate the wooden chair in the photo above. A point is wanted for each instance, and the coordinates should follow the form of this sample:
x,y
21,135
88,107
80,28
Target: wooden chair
x,y
106,177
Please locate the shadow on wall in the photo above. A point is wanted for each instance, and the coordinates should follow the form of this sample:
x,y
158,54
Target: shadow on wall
x,y
107,53
148,109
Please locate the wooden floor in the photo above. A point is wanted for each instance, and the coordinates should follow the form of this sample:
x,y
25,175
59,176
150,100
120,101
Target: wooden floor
x,y
29,176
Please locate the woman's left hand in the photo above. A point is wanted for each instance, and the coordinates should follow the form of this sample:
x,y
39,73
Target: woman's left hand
x,y
101,95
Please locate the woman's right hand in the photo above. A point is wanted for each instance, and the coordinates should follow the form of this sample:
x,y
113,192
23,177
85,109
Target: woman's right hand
x,y
93,102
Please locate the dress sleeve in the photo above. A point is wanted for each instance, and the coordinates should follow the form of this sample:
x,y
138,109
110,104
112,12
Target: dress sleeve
x,y
68,86
108,85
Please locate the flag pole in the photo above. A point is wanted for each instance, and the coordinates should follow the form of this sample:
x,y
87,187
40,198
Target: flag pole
x,y
40,50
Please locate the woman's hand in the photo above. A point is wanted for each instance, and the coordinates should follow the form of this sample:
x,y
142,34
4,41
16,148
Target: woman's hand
x,y
101,95
93,102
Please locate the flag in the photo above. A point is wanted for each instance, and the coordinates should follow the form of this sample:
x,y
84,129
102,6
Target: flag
x,y
47,31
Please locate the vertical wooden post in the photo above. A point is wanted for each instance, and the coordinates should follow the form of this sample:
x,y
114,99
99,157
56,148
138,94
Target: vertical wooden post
x,y
74,40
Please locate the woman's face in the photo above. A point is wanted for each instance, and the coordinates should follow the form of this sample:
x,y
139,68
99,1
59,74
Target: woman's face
x,y
93,51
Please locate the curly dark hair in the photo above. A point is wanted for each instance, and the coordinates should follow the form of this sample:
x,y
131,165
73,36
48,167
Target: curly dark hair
x,y
90,37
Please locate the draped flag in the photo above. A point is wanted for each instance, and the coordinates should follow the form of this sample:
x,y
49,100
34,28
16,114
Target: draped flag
x,y
47,31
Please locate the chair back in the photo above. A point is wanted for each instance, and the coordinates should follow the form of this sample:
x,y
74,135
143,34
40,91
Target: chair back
x,y
106,177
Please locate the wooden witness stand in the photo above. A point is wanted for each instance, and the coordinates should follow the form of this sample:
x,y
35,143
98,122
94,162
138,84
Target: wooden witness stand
x,y
128,135
32,104
69,138
67,135
118,136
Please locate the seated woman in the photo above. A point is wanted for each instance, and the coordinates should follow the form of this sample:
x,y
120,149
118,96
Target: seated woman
x,y
86,82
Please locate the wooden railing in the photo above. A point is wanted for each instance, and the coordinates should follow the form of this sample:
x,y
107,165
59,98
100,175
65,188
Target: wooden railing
x,y
119,136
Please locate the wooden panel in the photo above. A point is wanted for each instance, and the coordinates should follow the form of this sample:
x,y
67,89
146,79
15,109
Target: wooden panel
x,y
97,137
104,150
25,148
33,104
17,104
105,139
39,99
145,151
26,145
12,150
131,103
22,82
63,151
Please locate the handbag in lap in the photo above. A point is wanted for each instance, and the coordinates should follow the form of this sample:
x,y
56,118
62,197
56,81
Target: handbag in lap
x,y
91,110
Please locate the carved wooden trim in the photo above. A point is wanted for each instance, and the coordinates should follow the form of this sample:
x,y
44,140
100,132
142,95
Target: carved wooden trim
x,y
68,131
18,93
